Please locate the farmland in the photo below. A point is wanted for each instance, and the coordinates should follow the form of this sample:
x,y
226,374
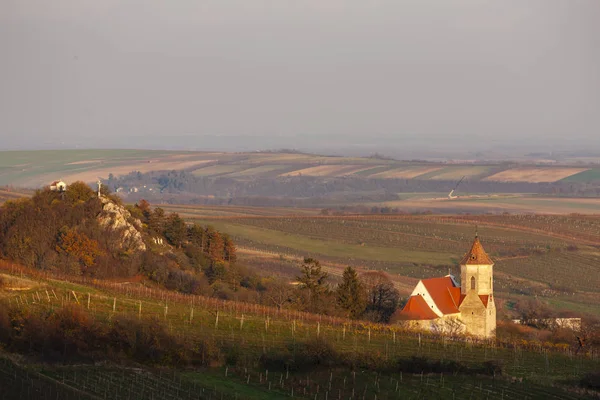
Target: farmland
x,y
495,203
553,255
308,180
12,194
247,333
37,168
535,174
34,168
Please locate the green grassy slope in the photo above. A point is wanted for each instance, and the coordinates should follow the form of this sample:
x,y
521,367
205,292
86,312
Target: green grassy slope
x,y
250,331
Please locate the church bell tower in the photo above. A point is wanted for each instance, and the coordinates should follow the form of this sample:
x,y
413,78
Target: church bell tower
x,y
478,310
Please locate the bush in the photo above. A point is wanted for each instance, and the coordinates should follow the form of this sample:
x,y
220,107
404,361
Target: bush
x,y
493,367
70,334
591,380
278,360
301,356
314,352
417,365
5,326
148,341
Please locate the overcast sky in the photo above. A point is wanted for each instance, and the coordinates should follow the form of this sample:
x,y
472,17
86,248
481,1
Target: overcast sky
x,y
171,73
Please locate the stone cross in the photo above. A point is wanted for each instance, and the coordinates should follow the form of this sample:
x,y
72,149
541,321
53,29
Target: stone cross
x,y
99,187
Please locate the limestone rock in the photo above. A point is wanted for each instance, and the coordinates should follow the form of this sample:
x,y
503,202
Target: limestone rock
x,y
116,218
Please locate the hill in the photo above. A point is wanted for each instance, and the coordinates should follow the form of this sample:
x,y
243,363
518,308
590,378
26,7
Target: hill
x,y
221,349
103,300
306,180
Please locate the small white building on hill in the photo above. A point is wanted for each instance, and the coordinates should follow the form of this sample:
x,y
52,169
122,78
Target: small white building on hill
x,y
58,186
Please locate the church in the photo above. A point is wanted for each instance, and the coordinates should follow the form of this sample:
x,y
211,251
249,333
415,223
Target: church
x,y
444,305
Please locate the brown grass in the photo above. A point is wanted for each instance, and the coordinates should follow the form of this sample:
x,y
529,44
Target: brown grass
x,y
322,170
549,174
404,173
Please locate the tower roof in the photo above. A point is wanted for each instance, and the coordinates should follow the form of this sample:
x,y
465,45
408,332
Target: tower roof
x,y
477,255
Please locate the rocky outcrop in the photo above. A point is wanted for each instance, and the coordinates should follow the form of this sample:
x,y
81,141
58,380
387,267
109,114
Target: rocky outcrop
x,y
115,218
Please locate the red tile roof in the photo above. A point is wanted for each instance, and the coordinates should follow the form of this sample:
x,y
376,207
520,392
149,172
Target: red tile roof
x,y
484,299
417,308
445,295
477,255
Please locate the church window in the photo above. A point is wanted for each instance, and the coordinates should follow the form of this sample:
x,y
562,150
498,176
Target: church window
x,y
472,282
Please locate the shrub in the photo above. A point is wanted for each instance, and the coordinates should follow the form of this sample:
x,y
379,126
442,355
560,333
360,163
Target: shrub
x,y
418,365
5,326
591,380
493,367
278,360
314,352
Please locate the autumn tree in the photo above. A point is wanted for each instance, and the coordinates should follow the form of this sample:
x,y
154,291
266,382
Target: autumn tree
x,y
215,244
78,192
382,297
145,210
351,294
229,249
78,246
279,293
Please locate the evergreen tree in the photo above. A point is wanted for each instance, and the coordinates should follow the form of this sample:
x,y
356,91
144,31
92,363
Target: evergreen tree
x,y
156,221
175,230
351,294
196,235
313,284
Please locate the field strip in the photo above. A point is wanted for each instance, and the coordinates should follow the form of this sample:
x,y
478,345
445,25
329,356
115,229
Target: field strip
x,y
447,220
536,175
321,170
404,172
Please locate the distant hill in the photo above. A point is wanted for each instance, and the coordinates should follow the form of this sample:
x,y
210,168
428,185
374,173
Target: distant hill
x,y
8,193
37,168
293,178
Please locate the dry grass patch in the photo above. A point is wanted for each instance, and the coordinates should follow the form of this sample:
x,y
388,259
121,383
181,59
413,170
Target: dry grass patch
x,y
322,170
263,169
549,174
404,173
455,173
84,162
13,283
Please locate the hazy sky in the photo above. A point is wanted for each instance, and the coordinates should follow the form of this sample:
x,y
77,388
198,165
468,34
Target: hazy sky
x,y
138,73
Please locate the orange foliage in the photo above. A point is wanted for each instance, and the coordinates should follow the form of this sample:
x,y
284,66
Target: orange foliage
x,y
78,245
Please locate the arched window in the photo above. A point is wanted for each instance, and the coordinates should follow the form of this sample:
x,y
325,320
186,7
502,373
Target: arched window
x,y
472,282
